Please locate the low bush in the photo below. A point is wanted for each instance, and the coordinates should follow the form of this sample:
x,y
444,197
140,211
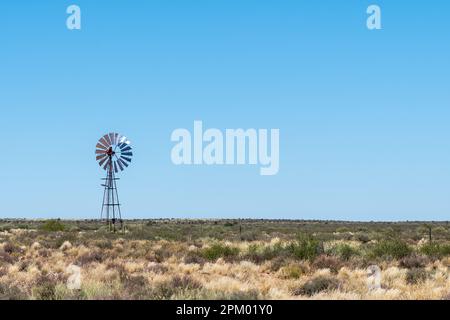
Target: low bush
x,y
193,257
157,268
394,249
103,244
89,257
249,236
176,286
11,292
136,287
10,248
305,248
52,226
435,250
416,275
45,288
344,251
259,253
317,285
6,258
413,261
277,263
293,271
327,262
218,250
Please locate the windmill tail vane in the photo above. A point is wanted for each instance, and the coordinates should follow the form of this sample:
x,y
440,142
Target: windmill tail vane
x,y
113,154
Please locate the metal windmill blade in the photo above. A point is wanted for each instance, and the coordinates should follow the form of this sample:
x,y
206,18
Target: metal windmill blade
x,y
113,151
108,139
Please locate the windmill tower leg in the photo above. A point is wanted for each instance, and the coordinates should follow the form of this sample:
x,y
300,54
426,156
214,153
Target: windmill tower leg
x,y
111,205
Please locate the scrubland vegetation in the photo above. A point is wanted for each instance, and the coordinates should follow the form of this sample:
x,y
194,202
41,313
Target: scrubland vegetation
x,y
245,259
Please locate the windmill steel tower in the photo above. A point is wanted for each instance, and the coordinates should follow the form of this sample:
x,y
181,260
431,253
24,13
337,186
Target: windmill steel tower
x,y
113,153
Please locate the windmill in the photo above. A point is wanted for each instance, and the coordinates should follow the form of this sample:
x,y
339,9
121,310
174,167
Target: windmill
x,y
113,154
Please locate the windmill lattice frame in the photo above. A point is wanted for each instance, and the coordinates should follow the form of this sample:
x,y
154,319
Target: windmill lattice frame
x,y
114,154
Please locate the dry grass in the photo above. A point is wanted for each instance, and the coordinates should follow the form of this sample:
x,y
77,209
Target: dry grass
x,y
40,264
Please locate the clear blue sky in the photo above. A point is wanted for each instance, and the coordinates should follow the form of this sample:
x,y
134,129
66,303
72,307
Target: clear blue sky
x,y
363,115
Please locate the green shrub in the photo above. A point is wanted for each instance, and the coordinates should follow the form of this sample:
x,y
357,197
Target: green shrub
x,y
4,228
293,271
305,248
362,237
218,250
259,253
52,226
103,244
435,250
395,249
344,251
